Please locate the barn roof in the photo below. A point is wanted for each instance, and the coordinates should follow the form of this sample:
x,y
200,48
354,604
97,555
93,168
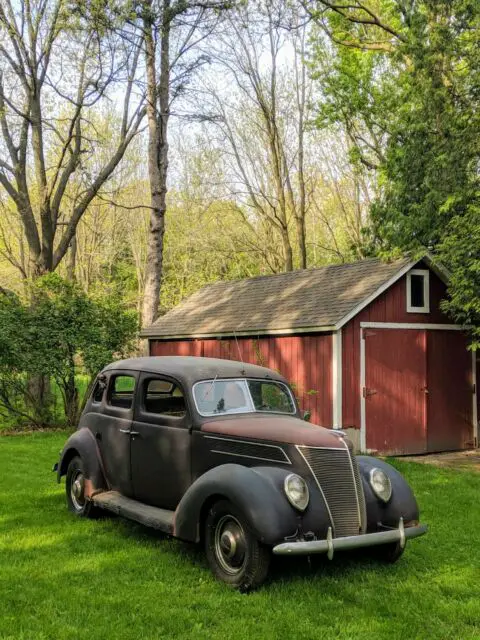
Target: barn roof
x,y
320,299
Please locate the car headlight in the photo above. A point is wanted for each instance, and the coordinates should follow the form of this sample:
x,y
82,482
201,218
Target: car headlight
x,y
381,485
296,491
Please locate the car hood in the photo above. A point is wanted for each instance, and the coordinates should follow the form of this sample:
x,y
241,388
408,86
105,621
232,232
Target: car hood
x,y
275,428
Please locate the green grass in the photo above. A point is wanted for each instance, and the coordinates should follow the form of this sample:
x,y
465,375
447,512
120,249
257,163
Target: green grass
x,y
66,578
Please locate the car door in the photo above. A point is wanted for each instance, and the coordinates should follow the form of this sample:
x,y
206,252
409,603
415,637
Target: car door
x,y
160,444
111,426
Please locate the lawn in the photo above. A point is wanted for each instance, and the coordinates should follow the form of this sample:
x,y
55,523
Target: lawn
x,y
66,578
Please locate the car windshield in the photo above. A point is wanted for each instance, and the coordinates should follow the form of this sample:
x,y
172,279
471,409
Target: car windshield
x,y
214,397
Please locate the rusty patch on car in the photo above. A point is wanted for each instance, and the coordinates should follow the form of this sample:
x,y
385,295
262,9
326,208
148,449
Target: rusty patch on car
x,y
275,428
88,488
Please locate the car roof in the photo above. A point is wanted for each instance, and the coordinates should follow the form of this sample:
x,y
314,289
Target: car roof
x,y
192,368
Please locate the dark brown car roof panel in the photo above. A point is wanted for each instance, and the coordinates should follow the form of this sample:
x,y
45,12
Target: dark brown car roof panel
x,y
191,369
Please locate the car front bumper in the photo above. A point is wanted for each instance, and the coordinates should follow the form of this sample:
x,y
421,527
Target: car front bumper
x,y
330,544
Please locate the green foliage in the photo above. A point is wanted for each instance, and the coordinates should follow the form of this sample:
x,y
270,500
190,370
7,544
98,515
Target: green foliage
x,y
358,90
460,249
430,172
203,245
416,80
59,332
431,195
67,323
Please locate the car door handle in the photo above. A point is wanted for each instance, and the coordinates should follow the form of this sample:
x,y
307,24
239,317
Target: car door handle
x,y
131,433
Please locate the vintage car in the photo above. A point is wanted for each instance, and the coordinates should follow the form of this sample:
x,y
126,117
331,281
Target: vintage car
x,y
215,451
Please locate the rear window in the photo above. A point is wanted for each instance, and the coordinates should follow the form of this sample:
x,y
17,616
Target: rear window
x,y
121,391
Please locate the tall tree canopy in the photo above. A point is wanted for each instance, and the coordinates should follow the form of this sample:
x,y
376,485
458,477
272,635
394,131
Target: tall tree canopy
x,y
404,82
57,67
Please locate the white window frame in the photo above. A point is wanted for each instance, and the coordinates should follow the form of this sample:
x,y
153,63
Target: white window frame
x,y
426,291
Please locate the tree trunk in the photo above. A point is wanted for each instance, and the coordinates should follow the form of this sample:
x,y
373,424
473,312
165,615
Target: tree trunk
x,y
71,401
300,223
287,249
72,259
39,399
157,115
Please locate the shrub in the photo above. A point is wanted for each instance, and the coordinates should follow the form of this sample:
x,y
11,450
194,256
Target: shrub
x,y
60,332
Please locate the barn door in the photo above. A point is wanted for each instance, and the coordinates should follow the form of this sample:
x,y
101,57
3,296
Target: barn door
x,y
450,392
394,394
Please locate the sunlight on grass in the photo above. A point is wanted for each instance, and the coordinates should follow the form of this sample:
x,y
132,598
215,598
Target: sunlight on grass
x,y
66,578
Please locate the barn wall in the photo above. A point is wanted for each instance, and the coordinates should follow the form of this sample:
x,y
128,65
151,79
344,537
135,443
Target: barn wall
x,y
176,348
306,362
391,306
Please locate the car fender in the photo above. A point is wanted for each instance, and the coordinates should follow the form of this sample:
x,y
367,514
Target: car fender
x,y
402,504
256,491
82,443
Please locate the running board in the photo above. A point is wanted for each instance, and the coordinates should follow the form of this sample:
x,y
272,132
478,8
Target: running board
x,y
160,519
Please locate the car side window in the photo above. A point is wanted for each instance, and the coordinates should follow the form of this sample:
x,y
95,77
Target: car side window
x,y
163,397
99,388
121,391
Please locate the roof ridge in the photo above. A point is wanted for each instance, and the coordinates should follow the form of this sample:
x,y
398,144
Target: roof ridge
x,y
333,265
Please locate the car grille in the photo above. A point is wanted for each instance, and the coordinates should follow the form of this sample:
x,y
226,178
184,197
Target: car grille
x,y
337,475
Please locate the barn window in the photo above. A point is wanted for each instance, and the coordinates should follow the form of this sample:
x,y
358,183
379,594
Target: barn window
x,y
418,294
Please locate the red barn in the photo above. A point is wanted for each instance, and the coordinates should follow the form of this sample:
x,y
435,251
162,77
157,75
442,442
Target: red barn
x,y
365,345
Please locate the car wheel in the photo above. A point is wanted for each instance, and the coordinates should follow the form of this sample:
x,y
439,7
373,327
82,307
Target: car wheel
x,y
388,553
235,556
75,489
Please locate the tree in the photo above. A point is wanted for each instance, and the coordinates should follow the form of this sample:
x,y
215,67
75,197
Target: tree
x,y
460,249
187,18
67,332
57,67
428,161
262,118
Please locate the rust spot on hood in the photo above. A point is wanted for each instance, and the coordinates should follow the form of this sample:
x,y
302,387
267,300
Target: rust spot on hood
x,y
275,428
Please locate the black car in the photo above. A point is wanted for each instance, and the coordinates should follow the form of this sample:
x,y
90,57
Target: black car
x,y
215,451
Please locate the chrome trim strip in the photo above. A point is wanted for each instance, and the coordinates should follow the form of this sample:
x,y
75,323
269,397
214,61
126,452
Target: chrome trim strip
x,y
241,455
307,446
360,523
330,546
298,447
258,444
401,528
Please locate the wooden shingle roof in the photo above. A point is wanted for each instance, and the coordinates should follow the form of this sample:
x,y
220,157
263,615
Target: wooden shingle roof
x,y
312,299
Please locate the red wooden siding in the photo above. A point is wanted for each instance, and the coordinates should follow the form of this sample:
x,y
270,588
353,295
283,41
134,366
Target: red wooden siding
x,y
391,306
418,391
450,391
178,348
306,362
395,390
